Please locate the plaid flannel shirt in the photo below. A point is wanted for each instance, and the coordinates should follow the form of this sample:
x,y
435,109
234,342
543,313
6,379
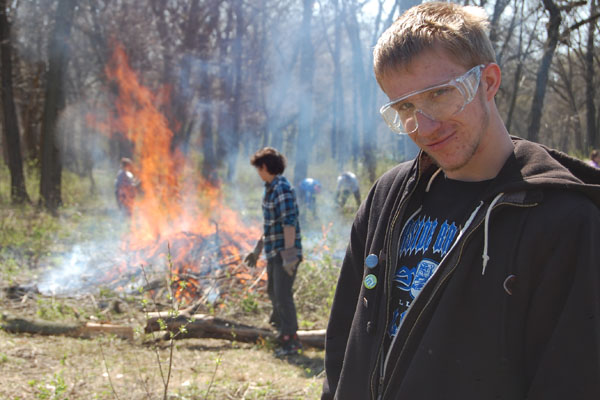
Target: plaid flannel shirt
x,y
279,208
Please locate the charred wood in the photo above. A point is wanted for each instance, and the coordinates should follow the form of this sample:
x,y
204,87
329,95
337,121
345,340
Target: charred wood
x,y
73,329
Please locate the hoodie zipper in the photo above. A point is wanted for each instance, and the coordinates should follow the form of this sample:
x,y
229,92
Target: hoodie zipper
x,y
376,392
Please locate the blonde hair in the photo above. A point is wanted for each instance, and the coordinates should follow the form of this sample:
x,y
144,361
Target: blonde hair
x,y
460,31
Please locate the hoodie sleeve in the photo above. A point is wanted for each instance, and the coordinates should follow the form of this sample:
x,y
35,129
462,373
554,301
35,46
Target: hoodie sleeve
x,y
345,300
563,335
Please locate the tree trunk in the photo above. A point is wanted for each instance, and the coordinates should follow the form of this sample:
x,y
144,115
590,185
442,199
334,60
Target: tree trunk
x,y
304,137
537,104
18,192
208,147
72,329
568,93
206,326
338,144
499,8
593,138
236,106
521,54
54,103
363,103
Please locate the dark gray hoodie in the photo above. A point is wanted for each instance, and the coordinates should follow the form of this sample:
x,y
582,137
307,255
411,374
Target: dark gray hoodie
x,y
513,310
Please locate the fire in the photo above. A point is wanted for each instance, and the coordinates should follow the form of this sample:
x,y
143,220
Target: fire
x,y
178,213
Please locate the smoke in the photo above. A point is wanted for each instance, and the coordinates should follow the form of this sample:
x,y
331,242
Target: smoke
x,y
90,266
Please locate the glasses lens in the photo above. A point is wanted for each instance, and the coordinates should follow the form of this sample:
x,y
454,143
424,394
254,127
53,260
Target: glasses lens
x,y
437,103
442,102
392,119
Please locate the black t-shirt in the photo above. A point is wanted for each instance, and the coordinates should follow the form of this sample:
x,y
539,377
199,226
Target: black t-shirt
x,y
427,236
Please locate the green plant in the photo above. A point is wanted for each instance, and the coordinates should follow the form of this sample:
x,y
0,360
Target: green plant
x,y
53,310
55,389
249,303
314,290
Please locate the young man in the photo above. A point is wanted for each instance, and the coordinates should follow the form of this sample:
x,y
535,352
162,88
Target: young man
x,y
282,245
472,272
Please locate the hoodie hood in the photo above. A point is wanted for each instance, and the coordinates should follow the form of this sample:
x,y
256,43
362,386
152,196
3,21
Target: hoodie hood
x,y
534,166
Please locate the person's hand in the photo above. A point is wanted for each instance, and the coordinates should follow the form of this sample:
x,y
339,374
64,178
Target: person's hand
x,y
251,259
290,260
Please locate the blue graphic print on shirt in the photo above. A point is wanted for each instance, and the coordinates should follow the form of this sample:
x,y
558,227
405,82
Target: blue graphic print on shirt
x,y
416,248
418,234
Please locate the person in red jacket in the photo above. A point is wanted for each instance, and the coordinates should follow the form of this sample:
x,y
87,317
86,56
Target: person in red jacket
x,y
473,271
126,186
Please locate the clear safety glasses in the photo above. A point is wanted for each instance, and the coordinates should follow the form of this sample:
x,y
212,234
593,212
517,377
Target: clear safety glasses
x,y
437,103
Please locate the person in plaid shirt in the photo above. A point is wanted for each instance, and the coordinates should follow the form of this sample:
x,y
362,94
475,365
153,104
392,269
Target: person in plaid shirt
x,y
282,245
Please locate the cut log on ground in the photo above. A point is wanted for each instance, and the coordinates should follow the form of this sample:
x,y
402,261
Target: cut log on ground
x,y
88,330
206,326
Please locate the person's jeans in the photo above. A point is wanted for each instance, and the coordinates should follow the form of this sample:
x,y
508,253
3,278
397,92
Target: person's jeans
x,y
279,288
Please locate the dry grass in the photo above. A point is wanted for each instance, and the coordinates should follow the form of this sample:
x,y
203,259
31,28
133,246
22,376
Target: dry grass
x,y
66,368
56,367
59,368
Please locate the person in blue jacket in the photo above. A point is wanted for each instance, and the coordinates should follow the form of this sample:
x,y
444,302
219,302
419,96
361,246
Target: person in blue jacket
x,y
308,189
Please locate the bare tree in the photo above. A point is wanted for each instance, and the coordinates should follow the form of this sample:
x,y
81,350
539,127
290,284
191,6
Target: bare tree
x,y
593,137
566,88
58,56
307,62
18,192
520,56
552,30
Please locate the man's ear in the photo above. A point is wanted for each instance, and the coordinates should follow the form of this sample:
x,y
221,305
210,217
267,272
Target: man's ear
x,y
491,76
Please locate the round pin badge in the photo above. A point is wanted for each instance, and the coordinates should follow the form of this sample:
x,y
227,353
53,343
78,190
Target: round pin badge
x,y
370,281
371,261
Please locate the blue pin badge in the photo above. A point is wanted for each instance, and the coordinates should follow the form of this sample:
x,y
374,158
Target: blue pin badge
x,y
370,281
371,261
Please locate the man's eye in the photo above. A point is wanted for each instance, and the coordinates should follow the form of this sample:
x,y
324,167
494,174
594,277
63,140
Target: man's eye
x,y
403,107
441,91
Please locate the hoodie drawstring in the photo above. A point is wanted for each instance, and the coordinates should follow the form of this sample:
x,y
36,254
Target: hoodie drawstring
x,y
436,173
485,256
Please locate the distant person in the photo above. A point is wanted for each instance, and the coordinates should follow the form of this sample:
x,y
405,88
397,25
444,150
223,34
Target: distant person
x,y
282,245
126,186
347,184
308,190
595,159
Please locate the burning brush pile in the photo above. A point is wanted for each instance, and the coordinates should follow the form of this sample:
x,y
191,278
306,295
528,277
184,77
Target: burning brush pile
x,y
178,220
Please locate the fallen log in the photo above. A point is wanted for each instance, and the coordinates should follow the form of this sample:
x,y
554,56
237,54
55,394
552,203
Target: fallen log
x,y
72,329
206,326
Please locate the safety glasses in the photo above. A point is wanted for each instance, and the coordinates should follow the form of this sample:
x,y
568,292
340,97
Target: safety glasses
x,y
437,103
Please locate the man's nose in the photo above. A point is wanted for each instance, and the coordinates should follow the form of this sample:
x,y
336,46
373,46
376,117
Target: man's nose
x,y
425,124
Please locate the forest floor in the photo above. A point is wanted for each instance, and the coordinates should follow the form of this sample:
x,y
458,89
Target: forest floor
x,y
107,367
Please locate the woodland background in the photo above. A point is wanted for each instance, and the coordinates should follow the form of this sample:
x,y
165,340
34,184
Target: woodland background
x,y
231,76
192,88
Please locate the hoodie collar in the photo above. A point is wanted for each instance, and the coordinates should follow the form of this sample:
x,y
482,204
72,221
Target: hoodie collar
x,y
534,166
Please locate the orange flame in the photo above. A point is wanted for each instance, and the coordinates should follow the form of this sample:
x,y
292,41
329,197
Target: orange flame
x,y
176,207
